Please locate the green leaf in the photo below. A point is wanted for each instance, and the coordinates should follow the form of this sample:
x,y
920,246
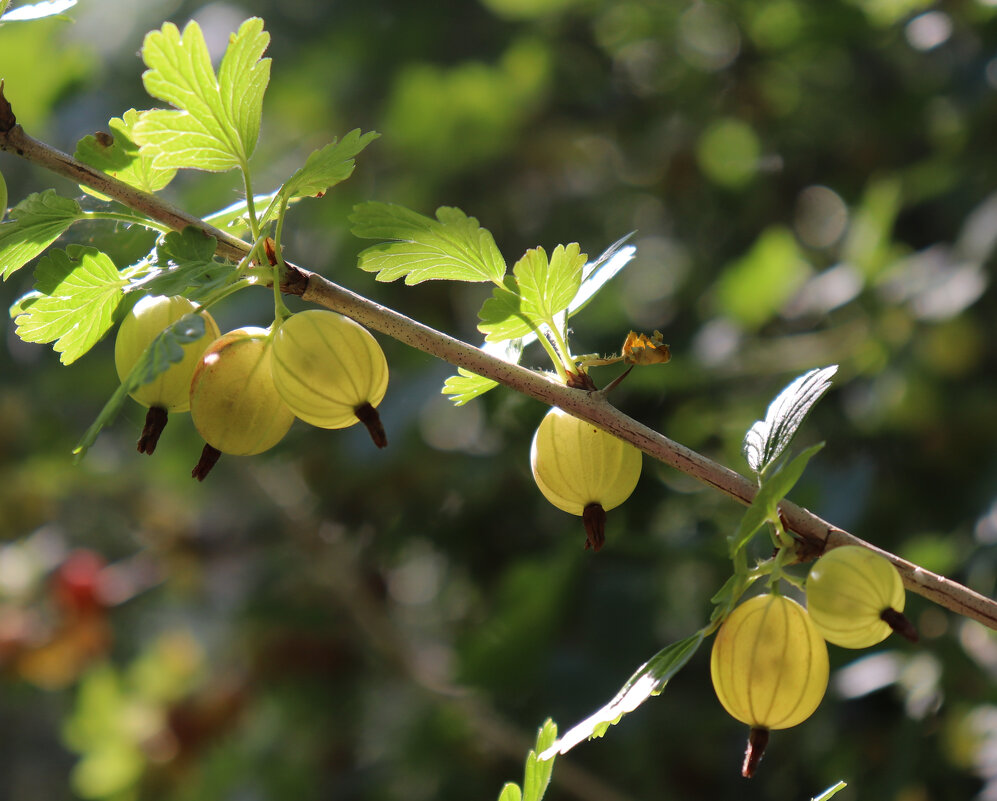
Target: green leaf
x,y
217,121
510,792
502,315
830,792
36,222
467,385
768,438
186,266
121,158
452,247
537,775
765,504
164,350
650,679
539,290
329,166
79,290
547,288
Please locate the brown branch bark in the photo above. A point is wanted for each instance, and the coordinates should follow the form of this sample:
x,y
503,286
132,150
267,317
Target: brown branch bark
x,y
817,534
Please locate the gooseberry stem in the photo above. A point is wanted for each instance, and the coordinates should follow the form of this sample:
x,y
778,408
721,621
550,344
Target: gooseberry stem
x,y
758,738
368,415
594,518
209,456
899,623
155,422
280,310
254,224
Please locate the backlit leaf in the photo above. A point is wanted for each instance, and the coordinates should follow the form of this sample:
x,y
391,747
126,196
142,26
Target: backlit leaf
x,y
774,488
467,386
327,167
121,157
452,247
650,679
35,223
768,438
79,289
186,265
216,120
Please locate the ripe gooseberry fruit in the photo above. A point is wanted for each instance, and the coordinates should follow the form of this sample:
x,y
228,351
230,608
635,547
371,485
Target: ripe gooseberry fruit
x,y
233,401
330,371
170,390
583,470
769,668
856,598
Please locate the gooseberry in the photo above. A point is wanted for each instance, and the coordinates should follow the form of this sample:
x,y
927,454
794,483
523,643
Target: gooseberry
x,y
583,470
856,598
233,401
170,390
330,371
769,668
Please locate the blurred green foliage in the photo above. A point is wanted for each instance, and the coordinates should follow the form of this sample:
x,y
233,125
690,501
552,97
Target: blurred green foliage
x,y
809,183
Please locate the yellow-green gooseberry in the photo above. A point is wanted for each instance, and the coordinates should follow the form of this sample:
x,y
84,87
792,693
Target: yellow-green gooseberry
x,y
233,401
769,668
330,371
856,598
170,390
583,470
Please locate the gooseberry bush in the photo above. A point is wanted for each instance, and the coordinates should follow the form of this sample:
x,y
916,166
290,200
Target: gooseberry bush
x,y
244,388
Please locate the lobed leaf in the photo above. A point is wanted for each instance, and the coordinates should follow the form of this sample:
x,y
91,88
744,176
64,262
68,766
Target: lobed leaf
x,y
502,316
186,265
121,157
35,223
329,166
216,121
768,438
765,504
467,386
166,349
650,679
452,247
77,291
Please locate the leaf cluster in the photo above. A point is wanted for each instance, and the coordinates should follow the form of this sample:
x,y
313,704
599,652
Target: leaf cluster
x,y
530,303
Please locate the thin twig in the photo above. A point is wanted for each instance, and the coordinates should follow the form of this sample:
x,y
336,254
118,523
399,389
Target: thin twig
x,y
818,534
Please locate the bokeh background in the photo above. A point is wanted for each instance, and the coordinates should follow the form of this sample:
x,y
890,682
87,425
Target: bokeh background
x,y
810,183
